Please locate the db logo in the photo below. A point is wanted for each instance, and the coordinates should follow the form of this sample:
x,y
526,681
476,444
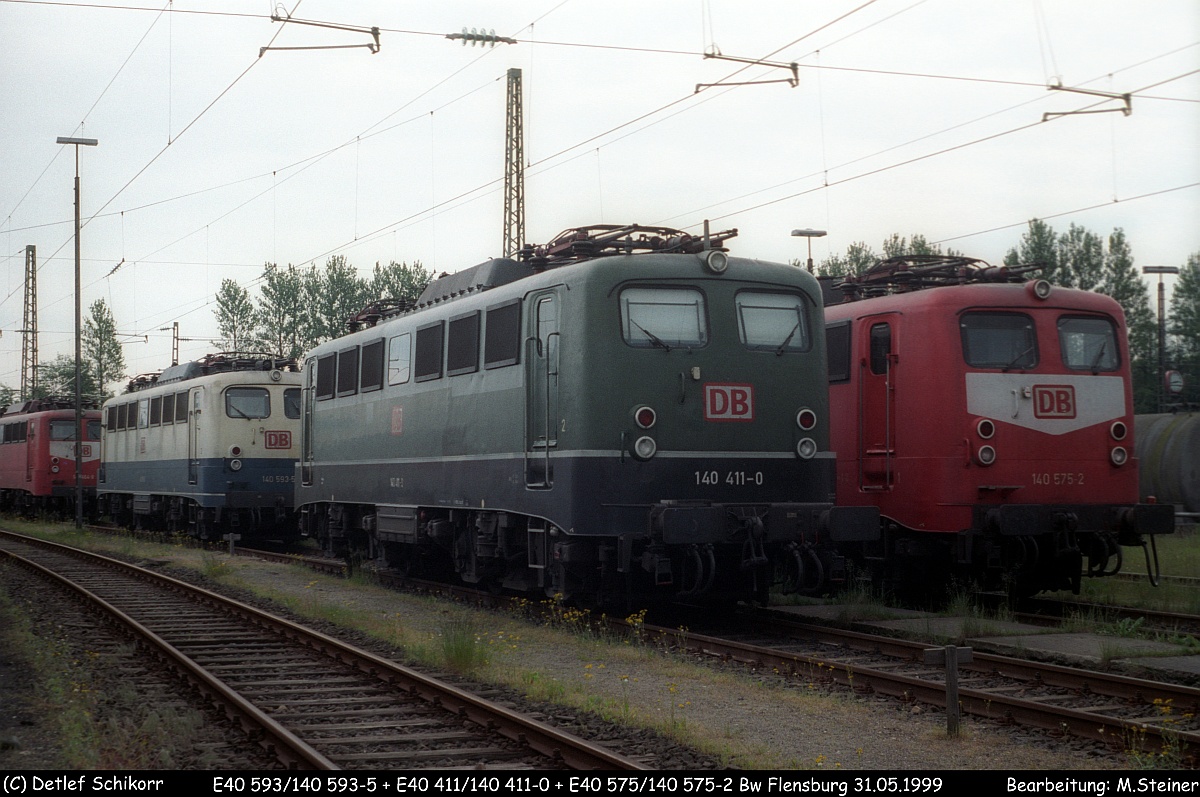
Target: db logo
x,y
1053,401
278,439
728,402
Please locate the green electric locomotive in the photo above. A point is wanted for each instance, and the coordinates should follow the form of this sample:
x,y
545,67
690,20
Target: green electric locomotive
x,y
627,413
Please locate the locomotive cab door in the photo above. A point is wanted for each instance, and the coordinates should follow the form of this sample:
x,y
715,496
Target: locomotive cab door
x,y
877,404
541,389
197,398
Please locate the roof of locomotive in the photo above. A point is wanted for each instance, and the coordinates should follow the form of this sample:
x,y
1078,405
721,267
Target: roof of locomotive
x,y
972,295
47,404
210,365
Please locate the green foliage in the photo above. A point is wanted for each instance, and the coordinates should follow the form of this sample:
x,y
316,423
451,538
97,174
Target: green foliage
x,y
1039,244
1184,329
281,313
57,378
399,281
102,353
331,297
236,318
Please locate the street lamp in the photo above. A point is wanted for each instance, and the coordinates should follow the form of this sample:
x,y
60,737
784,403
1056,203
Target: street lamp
x,y
809,234
79,437
1162,329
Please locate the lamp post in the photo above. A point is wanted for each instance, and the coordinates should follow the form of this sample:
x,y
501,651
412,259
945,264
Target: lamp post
x,y
79,437
1162,328
809,234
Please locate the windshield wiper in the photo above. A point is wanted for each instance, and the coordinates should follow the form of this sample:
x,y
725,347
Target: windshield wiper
x,y
1017,359
787,340
1099,357
655,339
238,410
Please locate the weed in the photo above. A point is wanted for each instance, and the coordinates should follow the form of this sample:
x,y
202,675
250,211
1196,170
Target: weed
x,y
461,648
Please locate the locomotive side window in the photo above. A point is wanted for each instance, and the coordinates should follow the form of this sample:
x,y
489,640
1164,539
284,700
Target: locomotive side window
x,y
428,359
664,317
156,411
772,321
999,340
1088,343
462,345
326,376
502,336
347,372
371,375
168,409
291,402
123,416
399,359
837,344
881,347
143,413
181,407
248,402
110,417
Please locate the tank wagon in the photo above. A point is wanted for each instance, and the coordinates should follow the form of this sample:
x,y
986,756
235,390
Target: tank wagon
x,y
206,447
989,418
627,413
37,456
1168,449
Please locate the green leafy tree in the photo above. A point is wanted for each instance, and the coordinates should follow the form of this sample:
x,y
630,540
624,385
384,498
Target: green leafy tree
x,y
1184,328
102,353
332,296
1039,244
236,318
1121,280
858,258
280,312
399,281
1081,254
57,378
8,395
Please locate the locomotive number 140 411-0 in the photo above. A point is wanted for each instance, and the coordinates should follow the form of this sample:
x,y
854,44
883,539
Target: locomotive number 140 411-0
x,y
735,478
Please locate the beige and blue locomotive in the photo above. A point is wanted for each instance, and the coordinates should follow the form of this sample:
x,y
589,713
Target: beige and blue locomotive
x,y
206,447
625,413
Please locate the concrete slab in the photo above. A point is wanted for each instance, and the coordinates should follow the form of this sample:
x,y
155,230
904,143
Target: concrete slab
x,y
940,627
1186,665
846,612
1090,647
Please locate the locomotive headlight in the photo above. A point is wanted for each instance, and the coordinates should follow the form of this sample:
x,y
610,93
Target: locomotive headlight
x,y
645,416
1039,289
986,455
1119,456
806,448
235,465
54,469
986,429
54,460
806,419
1118,430
717,261
644,447
276,375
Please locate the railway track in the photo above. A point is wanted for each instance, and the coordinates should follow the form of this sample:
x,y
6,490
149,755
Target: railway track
x,y
312,701
1124,712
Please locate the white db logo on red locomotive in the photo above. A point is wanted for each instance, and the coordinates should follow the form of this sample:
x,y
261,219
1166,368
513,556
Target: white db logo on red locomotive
x,y
278,439
728,402
1053,401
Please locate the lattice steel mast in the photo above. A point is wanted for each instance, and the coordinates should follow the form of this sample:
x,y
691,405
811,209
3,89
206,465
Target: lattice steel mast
x,y
514,169
29,334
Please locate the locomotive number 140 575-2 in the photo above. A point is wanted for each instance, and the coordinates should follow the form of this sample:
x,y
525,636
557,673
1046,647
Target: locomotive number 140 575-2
x,y
735,478
1058,478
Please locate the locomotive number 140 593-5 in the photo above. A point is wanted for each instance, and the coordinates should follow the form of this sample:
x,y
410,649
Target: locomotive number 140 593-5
x,y
734,478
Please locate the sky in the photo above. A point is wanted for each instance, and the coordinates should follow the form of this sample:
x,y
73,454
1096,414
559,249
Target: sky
x,y
215,157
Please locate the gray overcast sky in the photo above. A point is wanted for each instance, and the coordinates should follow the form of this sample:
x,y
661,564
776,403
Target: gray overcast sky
x,y
911,116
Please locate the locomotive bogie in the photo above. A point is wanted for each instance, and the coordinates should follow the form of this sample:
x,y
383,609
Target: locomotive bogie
x,y
205,453
623,426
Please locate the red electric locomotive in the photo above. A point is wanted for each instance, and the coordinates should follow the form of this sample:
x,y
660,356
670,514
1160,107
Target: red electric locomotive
x,y
990,419
37,455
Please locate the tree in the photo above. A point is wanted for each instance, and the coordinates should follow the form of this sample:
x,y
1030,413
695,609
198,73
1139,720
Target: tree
x,y
1121,280
1081,254
280,313
102,353
236,318
1184,328
8,395
57,378
399,281
1039,245
858,258
332,297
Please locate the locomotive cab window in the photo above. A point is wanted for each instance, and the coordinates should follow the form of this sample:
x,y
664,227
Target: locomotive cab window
x,y
248,402
62,430
1088,343
93,430
502,336
776,322
664,318
291,402
399,359
999,340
